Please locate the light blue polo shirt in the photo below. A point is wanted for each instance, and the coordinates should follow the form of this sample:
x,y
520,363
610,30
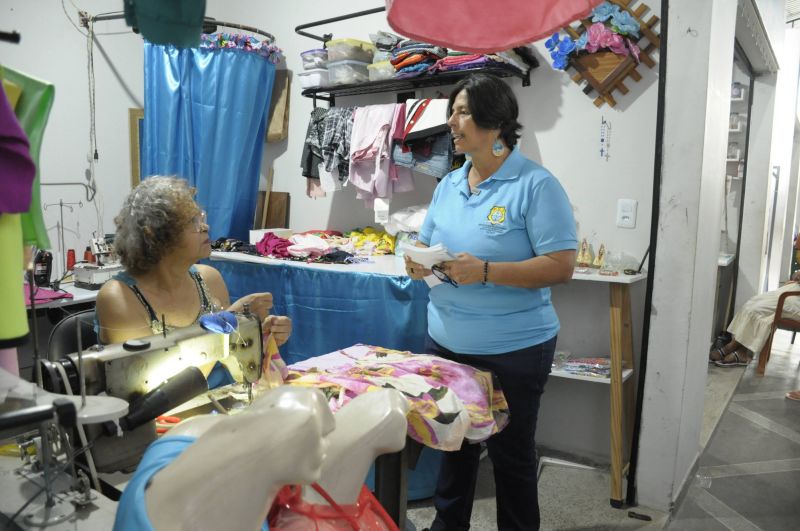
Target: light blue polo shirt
x,y
521,212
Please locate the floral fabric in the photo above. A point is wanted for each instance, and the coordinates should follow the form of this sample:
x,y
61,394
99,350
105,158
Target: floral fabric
x,y
223,41
449,401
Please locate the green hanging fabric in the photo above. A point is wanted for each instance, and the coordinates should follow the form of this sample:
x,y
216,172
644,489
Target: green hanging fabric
x,y
33,110
176,22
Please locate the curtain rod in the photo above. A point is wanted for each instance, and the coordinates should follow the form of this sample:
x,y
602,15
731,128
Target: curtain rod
x,y
328,36
12,36
209,24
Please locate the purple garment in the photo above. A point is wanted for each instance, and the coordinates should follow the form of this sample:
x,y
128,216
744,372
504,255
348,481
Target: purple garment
x,y
17,170
272,245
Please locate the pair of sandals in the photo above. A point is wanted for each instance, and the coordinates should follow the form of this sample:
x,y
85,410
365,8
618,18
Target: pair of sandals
x,y
738,360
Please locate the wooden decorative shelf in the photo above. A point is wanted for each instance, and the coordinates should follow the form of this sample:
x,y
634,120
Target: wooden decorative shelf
x,y
604,71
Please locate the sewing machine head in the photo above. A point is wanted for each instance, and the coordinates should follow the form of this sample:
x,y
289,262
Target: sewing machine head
x,y
143,371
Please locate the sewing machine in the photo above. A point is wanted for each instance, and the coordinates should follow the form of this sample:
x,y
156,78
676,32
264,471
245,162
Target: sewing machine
x,y
141,379
93,276
154,370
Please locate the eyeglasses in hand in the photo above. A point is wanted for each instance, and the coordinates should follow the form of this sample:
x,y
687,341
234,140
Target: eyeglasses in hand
x,y
439,273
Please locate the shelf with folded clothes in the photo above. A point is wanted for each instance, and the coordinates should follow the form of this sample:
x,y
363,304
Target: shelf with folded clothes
x,y
412,83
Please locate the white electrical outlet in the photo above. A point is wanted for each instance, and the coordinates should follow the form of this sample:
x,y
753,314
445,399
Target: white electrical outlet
x,y
626,213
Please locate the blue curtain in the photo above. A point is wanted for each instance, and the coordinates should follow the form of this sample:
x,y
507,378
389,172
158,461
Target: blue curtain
x,y
205,114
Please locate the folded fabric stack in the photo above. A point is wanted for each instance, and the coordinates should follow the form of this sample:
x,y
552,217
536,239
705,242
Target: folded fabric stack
x,y
412,58
306,247
469,61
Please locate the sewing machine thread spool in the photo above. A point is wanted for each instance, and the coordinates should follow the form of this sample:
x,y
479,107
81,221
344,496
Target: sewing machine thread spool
x,y
70,259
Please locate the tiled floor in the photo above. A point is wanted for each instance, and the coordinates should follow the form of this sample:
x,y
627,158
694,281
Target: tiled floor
x,y
749,474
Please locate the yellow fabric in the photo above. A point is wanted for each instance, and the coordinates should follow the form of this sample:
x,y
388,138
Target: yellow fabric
x,y
12,90
382,242
14,322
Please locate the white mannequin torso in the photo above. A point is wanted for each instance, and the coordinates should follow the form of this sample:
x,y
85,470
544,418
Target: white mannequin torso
x,y
370,425
228,478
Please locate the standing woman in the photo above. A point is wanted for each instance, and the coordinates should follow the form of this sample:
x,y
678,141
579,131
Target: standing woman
x,y
509,223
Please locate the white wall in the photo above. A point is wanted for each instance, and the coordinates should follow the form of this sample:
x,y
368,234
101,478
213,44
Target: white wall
x,y
693,172
781,156
752,259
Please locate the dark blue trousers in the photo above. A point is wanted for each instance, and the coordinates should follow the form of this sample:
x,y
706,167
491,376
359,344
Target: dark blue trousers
x,y
522,375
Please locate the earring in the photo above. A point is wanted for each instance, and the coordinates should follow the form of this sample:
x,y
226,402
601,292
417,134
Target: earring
x,y
497,148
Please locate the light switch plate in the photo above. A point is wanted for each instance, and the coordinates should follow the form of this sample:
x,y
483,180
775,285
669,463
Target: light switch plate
x,y
626,213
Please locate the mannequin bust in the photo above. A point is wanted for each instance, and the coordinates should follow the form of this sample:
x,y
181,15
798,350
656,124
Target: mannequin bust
x,y
370,425
228,478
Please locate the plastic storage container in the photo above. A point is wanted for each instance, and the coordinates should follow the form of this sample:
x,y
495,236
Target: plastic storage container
x,y
382,70
315,58
351,49
318,77
347,72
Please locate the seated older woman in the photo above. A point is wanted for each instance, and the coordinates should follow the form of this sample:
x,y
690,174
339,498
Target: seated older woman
x,y
752,325
161,234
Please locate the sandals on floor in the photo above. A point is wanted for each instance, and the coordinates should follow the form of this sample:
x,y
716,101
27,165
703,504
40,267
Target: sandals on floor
x,y
721,353
796,396
738,361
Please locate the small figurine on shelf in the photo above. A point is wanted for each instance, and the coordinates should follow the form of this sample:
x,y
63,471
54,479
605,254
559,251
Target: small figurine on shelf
x,y
737,91
600,259
584,258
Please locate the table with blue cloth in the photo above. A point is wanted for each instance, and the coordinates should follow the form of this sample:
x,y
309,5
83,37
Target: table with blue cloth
x,y
334,306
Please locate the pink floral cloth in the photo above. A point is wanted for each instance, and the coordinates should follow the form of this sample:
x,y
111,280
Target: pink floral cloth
x,y
449,401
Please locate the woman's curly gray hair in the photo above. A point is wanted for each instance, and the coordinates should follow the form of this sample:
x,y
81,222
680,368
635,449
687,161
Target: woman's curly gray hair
x,y
151,221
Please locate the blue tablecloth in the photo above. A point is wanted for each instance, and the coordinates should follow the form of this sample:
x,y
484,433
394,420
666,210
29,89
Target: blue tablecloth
x,y
335,309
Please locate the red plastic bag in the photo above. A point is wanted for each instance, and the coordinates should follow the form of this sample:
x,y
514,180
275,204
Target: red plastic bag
x,y
290,512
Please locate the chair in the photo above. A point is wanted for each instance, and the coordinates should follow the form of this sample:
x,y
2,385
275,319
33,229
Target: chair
x,y
782,322
64,336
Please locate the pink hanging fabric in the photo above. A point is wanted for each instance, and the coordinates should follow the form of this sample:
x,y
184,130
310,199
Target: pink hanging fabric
x,y
480,26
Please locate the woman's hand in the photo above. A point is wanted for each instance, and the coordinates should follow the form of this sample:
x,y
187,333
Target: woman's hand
x,y
416,271
279,326
465,269
259,303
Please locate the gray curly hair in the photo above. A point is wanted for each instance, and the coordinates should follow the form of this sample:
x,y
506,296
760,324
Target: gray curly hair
x,y
151,221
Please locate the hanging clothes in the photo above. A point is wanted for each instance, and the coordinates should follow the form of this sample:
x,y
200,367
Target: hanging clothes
x,y
483,27
337,129
17,170
370,154
177,22
33,111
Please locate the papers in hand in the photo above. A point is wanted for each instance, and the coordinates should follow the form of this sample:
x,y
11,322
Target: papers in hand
x,y
427,256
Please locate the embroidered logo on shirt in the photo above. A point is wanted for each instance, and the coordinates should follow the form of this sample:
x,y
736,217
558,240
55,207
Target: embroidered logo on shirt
x,y
497,215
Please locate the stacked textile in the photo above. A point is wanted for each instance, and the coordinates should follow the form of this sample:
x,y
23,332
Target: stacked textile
x,y
412,58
